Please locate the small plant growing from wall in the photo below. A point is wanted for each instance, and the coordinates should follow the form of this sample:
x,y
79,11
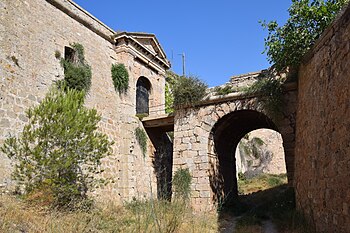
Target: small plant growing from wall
x,y
182,184
141,138
170,81
57,54
59,151
120,77
224,90
77,73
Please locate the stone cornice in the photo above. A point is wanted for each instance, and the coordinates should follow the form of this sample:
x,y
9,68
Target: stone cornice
x,y
127,43
85,18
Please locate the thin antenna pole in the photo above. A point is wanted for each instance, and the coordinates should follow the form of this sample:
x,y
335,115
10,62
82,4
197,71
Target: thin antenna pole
x,y
183,65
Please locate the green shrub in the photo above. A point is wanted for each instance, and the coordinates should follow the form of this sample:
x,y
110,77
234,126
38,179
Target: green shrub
x,y
224,90
188,91
77,73
59,150
182,183
171,79
286,45
270,94
141,138
57,54
120,77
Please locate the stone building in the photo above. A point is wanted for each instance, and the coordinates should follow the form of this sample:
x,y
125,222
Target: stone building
x,y
32,32
314,127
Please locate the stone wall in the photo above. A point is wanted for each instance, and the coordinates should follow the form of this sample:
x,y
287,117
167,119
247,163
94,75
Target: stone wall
x,y
196,143
322,134
270,154
31,32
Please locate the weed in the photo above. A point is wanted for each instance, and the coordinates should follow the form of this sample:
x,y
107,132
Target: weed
x,y
182,183
224,90
57,54
141,138
120,77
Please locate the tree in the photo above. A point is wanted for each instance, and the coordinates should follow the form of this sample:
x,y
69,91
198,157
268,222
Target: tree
x,y
60,149
286,45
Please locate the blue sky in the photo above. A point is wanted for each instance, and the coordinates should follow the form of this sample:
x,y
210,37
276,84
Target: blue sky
x,y
220,38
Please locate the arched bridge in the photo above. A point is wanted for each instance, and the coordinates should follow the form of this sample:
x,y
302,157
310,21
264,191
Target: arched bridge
x,y
206,137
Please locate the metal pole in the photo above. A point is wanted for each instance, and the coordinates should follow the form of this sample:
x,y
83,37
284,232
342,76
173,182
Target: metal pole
x,y
183,65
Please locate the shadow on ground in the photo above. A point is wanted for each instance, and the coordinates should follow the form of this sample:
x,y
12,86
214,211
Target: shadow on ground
x,y
275,205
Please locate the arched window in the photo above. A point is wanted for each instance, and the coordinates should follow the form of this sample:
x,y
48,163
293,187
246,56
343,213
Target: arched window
x,y
143,87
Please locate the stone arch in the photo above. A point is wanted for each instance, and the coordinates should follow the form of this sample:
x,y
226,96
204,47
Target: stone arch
x,y
143,95
224,137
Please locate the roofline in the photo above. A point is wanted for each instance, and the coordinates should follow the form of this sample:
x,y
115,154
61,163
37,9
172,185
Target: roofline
x,y
82,16
141,34
131,37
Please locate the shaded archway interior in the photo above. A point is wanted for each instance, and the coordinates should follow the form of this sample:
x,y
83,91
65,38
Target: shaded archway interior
x,y
227,133
143,88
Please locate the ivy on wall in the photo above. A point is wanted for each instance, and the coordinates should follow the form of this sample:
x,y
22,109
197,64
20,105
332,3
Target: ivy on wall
x,y
77,73
120,77
141,138
269,92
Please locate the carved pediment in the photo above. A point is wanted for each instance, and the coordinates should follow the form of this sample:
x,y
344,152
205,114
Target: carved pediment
x,y
145,46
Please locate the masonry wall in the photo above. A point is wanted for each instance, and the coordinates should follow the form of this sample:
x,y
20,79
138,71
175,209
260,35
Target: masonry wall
x,y
194,144
30,33
323,125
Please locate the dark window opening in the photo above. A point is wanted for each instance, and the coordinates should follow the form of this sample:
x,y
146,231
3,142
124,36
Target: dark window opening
x,y
69,53
143,87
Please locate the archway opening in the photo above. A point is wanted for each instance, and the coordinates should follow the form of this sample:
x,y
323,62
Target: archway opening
x,y
143,91
226,136
260,161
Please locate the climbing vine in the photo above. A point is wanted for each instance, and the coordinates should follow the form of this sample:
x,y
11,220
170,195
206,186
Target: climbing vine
x,y
269,92
77,73
120,77
182,183
141,138
170,81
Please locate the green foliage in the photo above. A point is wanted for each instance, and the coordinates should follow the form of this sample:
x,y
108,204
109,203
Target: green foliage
x,y
286,45
224,90
120,77
270,94
182,183
141,138
141,115
57,54
188,91
77,73
59,149
171,79
251,147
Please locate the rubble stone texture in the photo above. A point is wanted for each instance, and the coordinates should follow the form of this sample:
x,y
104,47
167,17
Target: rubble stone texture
x,y
195,141
322,134
270,155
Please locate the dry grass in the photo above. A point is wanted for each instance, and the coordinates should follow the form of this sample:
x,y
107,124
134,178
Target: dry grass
x,y
250,229
260,183
17,215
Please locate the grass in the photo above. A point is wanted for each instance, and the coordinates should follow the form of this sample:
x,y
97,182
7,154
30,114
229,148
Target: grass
x,y
17,215
261,182
265,199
